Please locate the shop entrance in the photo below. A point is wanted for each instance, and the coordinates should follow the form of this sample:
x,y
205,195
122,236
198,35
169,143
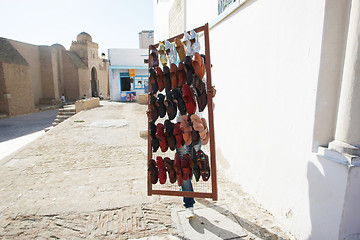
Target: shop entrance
x,y
125,84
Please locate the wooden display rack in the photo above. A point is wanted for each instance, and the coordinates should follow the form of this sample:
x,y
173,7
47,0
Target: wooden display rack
x,y
213,194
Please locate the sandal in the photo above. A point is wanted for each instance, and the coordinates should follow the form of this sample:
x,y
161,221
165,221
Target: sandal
x,y
185,129
154,111
198,65
178,135
171,107
199,86
161,136
161,106
154,58
159,78
176,94
189,70
153,80
188,98
181,75
153,171
169,165
186,168
203,161
187,43
162,52
195,165
154,141
195,45
178,169
171,52
162,170
173,76
167,79
180,49
169,129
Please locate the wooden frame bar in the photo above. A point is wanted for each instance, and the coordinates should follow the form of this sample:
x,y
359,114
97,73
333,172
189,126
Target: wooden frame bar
x,y
213,194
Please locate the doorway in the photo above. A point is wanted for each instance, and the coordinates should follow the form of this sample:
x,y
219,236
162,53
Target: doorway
x,y
125,83
94,86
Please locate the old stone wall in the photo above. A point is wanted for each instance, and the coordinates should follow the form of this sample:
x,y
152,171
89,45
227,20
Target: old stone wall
x,y
17,82
32,55
4,108
104,80
71,78
84,82
48,71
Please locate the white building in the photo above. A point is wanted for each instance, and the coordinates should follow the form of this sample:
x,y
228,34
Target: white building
x,y
123,63
287,113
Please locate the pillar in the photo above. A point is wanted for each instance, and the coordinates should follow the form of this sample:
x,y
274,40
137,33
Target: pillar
x,y
347,134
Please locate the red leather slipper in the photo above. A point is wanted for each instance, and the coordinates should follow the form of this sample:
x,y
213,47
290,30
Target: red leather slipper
x,y
181,75
162,170
160,78
186,168
178,169
178,135
169,165
173,76
161,136
188,98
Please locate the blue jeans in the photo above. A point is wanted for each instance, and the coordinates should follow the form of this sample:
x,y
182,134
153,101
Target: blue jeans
x,y
187,185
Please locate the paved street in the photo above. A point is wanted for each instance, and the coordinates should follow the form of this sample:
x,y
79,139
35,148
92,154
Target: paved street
x,y
18,126
86,179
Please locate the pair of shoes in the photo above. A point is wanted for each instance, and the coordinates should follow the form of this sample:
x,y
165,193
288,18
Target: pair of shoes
x,y
189,213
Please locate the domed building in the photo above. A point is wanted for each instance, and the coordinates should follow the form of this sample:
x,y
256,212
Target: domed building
x,y
32,75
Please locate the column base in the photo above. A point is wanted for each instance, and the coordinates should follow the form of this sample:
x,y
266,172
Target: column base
x,y
345,148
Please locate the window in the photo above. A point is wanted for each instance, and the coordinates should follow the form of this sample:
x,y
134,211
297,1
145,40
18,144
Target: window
x,y
140,82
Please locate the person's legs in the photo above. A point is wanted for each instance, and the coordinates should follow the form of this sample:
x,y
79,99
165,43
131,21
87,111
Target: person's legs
x,y
186,184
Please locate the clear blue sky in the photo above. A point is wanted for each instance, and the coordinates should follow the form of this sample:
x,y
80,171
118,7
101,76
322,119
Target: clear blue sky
x,y
111,23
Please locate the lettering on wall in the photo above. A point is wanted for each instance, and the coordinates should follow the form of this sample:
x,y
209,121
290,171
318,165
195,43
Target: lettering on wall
x,y
223,4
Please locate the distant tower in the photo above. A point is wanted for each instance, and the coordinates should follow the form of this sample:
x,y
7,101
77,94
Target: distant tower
x,y
85,48
146,38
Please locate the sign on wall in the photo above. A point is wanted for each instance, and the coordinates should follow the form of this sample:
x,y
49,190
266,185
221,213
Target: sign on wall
x,y
132,72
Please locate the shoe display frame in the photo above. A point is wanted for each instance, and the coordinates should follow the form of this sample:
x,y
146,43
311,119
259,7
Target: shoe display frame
x,y
212,156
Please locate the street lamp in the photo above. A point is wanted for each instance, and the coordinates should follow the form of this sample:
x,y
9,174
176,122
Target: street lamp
x,y
103,56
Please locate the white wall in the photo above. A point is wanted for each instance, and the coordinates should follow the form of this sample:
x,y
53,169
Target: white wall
x,y
271,56
127,56
266,57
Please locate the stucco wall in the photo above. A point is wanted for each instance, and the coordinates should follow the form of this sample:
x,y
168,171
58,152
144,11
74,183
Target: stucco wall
x,y
32,55
266,59
269,51
18,88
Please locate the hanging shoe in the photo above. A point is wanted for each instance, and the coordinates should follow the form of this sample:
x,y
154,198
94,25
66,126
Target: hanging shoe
x,y
159,78
161,170
162,52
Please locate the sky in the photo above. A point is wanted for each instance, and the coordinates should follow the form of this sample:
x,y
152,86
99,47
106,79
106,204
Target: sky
x,y
111,23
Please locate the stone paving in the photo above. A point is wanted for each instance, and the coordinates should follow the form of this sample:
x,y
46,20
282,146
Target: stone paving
x,y
86,179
